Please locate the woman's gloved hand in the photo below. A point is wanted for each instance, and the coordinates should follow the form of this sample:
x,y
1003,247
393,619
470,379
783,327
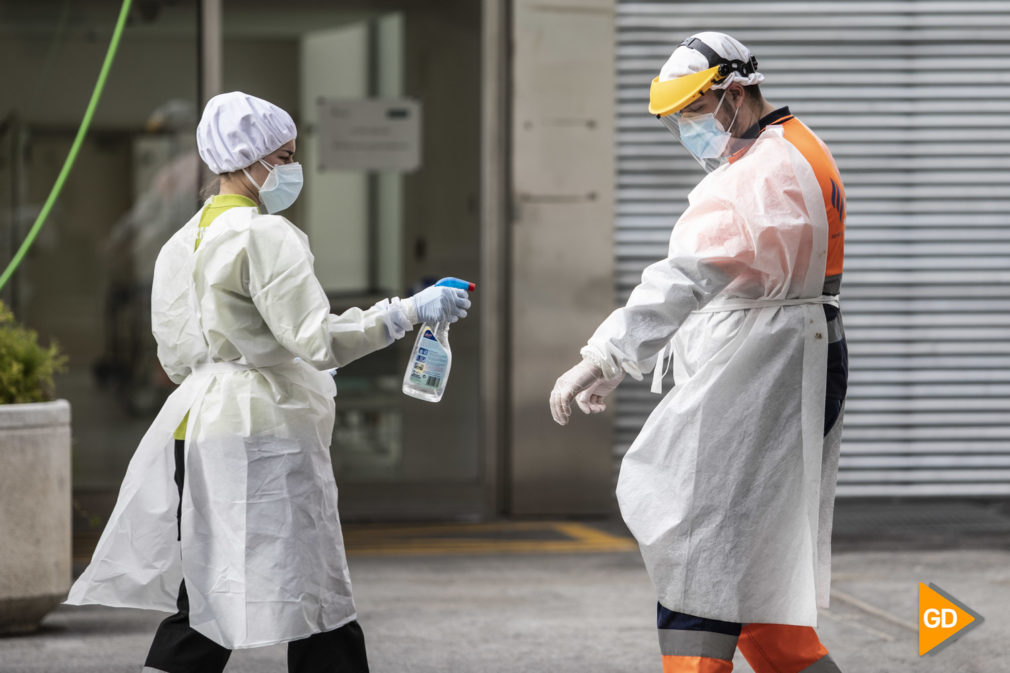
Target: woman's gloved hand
x,y
580,377
592,400
439,304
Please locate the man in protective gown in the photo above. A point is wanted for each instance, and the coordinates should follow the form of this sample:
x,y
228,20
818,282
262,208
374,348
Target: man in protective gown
x,y
729,487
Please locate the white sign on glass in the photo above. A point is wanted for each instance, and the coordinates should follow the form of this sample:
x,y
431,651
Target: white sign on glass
x,y
369,134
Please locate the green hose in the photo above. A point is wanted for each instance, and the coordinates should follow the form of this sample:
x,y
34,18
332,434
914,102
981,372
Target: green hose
x,y
96,95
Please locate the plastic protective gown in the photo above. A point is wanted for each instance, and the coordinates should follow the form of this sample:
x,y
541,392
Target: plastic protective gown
x,y
723,486
261,548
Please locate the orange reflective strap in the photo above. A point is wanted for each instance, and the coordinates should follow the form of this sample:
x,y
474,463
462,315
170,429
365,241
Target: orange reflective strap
x,y
830,182
673,664
780,648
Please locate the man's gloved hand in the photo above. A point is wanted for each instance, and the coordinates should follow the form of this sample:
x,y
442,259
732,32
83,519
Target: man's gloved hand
x,y
592,400
439,304
580,377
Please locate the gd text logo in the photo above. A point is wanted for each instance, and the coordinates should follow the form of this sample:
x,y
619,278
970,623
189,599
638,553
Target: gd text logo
x,y
942,619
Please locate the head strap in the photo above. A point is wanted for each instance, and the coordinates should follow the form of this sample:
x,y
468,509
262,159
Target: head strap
x,y
726,66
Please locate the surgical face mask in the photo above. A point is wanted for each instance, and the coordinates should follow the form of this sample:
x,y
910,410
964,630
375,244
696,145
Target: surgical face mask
x,y
703,135
282,186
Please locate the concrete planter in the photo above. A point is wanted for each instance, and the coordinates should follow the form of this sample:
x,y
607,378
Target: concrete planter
x,y
35,512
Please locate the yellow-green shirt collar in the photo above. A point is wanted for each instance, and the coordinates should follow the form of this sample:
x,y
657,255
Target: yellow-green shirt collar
x,y
232,201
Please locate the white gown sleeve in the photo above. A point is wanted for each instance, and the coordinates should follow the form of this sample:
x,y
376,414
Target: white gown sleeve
x,y
289,297
709,248
745,234
171,319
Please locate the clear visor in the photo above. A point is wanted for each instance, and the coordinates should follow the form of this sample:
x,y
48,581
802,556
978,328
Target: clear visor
x,y
706,137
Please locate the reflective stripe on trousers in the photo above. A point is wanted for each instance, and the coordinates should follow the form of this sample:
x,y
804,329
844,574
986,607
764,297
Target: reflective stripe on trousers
x,y
696,645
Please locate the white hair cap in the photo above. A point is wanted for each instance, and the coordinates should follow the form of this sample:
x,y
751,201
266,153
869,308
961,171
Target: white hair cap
x,y
686,60
237,130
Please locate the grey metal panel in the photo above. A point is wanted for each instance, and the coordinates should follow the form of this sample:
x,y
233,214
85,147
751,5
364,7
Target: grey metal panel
x,y
912,97
560,253
494,164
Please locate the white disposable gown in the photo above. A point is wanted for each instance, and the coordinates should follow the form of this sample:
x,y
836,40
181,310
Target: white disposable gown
x,y
729,486
261,551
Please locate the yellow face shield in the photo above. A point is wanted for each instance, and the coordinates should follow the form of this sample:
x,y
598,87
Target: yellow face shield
x,y
666,98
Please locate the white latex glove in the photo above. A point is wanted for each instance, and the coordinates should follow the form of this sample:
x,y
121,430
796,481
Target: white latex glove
x,y
438,304
592,400
571,383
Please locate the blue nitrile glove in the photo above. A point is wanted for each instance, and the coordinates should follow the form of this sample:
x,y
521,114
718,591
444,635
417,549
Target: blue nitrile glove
x,y
440,304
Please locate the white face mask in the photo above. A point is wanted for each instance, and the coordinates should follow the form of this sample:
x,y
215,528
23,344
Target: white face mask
x,y
282,186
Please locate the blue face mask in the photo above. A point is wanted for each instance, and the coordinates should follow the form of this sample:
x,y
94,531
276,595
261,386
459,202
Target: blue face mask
x,y
281,188
703,136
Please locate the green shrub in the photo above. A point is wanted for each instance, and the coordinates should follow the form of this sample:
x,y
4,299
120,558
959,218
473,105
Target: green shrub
x,y
26,368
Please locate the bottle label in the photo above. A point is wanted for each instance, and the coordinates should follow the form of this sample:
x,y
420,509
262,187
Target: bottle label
x,y
429,363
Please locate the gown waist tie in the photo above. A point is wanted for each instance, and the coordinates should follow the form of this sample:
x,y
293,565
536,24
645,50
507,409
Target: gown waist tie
x,y
721,305
741,303
210,368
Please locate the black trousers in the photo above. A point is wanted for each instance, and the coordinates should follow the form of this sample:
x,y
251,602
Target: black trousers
x,y
177,648
838,368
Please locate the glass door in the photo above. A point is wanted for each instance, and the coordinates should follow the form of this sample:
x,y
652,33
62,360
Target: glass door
x,y
378,232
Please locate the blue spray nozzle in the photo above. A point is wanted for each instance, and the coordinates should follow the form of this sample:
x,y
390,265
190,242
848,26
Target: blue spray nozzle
x,y
457,283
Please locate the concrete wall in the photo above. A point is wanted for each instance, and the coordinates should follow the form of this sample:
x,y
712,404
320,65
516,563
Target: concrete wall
x,y
562,251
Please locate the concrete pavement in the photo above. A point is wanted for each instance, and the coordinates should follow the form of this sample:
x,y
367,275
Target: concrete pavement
x,y
432,608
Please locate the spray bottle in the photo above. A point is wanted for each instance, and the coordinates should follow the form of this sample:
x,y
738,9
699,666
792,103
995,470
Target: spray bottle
x,y
428,369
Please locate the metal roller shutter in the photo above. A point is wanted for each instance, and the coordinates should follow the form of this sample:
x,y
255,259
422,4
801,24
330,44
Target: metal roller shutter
x,y
914,100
